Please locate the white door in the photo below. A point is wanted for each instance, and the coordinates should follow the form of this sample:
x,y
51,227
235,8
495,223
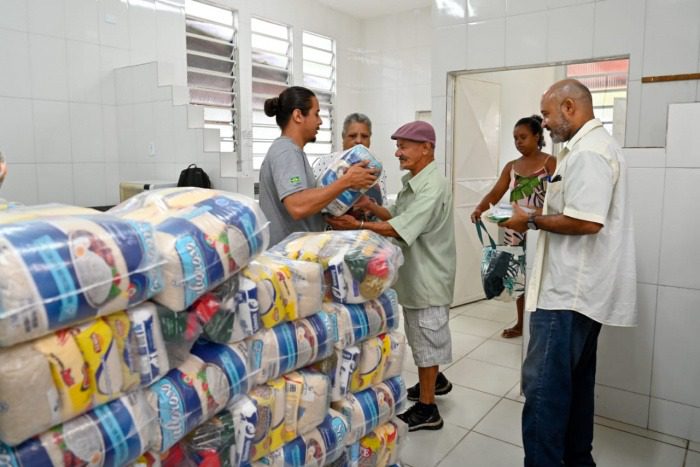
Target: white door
x,y
476,133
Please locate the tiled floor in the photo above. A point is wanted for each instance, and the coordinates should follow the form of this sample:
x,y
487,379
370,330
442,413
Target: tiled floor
x,y
482,413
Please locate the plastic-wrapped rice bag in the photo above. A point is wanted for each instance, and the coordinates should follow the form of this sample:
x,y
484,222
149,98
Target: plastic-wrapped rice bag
x,y
204,236
359,265
337,168
366,410
114,434
197,389
59,271
59,376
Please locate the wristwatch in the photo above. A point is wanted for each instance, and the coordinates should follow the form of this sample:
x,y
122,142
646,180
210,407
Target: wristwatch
x,y
531,224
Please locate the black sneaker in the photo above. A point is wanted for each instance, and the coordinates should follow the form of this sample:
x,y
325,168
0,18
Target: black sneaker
x,y
422,417
442,387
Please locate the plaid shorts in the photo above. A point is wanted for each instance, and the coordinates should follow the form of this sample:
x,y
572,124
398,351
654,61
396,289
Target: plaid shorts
x,y
428,333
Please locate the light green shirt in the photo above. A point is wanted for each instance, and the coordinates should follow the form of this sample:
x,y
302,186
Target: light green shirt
x,y
423,218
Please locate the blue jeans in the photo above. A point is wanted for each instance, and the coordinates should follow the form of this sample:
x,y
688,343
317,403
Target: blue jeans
x,y
558,383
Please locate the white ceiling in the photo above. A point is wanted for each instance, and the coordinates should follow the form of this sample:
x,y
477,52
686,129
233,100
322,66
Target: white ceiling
x,y
372,8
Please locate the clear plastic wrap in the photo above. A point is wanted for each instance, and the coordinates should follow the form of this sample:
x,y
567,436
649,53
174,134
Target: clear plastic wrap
x,y
57,377
197,389
320,446
358,322
382,446
111,435
205,236
291,345
336,169
180,332
366,410
18,213
254,425
60,271
359,265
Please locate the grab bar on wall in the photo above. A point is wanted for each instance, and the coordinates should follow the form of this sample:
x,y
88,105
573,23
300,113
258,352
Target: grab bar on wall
x,y
666,78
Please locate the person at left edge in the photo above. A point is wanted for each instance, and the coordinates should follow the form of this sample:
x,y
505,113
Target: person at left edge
x,y
288,195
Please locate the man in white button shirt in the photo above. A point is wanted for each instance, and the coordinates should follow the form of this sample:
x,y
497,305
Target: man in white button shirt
x,y
583,277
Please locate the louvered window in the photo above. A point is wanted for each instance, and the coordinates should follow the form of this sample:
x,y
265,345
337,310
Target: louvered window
x,y
319,76
272,73
212,67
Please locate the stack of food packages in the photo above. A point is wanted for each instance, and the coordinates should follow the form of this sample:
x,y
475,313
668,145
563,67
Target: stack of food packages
x,y
80,342
305,402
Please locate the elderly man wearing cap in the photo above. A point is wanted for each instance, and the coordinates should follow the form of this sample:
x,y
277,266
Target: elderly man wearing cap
x,y
423,224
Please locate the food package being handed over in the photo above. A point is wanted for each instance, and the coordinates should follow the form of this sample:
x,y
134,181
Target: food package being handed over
x,y
204,236
359,265
337,169
59,376
59,271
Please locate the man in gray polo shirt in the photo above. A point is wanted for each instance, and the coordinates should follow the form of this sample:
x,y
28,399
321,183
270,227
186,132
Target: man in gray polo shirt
x,y
288,195
423,224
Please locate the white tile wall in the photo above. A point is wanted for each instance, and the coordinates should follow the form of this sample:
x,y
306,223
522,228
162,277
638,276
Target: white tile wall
x,y
518,7
625,354
621,405
679,225
453,47
49,71
676,49
47,17
485,9
646,192
90,186
110,59
114,23
674,419
676,374
486,44
83,72
450,13
619,30
14,15
143,34
14,55
86,132
683,139
52,136
20,183
526,39
81,20
568,39
634,102
55,182
654,109
112,179
109,133
16,119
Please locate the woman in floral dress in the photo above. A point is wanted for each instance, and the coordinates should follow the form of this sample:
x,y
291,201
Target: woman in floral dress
x,y
526,178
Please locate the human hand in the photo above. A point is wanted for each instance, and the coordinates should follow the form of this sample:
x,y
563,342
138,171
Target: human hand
x,y
344,222
359,176
365,203
476,215
518,221
3,171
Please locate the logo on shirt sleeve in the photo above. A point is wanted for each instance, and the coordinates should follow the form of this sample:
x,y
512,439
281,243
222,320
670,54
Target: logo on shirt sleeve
x,y
295,180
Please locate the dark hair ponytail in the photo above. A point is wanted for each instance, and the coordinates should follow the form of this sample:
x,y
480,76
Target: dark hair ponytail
x,y
281,107
534,123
